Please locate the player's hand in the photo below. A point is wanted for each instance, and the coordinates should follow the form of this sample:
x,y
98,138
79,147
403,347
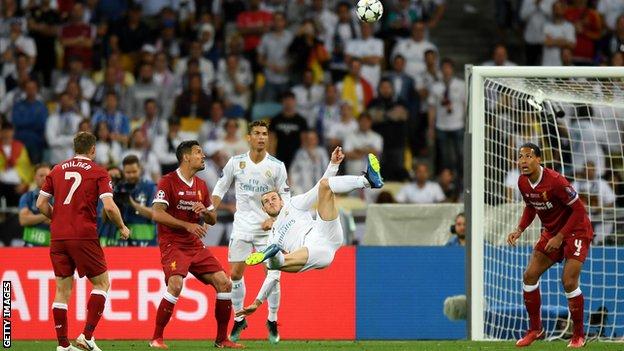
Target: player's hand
x,y
337,156
268,224
199,208
124,233
554,243
513,237
249,309
196,229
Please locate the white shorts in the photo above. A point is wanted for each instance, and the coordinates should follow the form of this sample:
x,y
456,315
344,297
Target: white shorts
x,y
322,243
241,246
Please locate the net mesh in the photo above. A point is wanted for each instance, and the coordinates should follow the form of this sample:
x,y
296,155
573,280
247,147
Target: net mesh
x,y
578,123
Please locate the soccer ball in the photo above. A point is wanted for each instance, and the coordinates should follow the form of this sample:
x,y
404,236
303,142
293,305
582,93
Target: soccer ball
x,y
369,10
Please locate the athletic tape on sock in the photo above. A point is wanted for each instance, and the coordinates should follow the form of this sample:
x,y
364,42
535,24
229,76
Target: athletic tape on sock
x,y
99,292
224,296
167,296
572,294
62,306
529,288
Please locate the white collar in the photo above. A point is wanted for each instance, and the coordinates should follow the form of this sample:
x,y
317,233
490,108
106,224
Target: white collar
x,y
250,160
538,179
80,157
189,183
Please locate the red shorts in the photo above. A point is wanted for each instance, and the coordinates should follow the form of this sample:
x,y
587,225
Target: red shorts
x,y
572,247
177,260
86,256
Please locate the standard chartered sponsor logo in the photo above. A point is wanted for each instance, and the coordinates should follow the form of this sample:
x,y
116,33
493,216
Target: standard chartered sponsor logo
x,y
186,205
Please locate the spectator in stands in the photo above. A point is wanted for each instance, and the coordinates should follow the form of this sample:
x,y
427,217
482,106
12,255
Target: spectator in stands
x,y
144,88
336,132
36,225
447,105
232,142
151,123
163,75
14,70
308,95
82,105
107,150
431,11
400,19
131,33
459,231
15,166
18,43
206,37
390,120
448,184
253,24
192,107
168,43
109,84
85,126
326,112
140,148
118,123
61,127
285,130
206,68
135,195
499,57
422,191
77,37
234,81
307,52
308,165
77,74
405,86
359,143
214,128
598,195
345,29
615,40
588,28
29,117
558,35
119,75
355,89
369,50
273,57
535,14
325,21
611,11
164,147
567,57
43,23
413,49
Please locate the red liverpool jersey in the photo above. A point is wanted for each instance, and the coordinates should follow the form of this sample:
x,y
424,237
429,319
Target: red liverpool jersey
x,y
552,197
179,195
76,185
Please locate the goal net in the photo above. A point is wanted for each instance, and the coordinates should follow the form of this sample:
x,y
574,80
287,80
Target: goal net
x,y
576,116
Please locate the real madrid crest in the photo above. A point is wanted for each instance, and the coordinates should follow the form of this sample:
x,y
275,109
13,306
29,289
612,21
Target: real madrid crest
x,y
241,164
268,173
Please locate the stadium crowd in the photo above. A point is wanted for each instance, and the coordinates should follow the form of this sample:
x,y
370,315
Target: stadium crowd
x,y
145,75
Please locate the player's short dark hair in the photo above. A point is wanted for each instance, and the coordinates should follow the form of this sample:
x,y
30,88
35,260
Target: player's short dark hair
x,y
83,142
38,166
536,149
259,123
130,160
185,147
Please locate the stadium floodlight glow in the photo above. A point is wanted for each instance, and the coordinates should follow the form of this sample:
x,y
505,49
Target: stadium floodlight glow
x,y
576,115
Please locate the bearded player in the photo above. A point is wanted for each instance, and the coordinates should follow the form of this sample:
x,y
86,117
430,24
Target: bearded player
x,y
183,210
567,234
76,185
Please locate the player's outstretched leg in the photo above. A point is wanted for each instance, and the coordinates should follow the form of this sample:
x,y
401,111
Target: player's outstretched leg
x,y
532,299
95,307
571,273
165,310
373,172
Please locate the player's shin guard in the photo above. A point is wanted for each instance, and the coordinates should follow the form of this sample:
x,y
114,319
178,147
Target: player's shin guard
x,y
345,184
576,303
95,307
165,310
533,304
59,311
274,298
238,296
223,310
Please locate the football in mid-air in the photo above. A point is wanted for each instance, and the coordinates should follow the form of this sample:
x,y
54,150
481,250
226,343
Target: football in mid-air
x,y
369,10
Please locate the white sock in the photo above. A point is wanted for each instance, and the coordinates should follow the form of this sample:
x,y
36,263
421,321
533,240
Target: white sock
x,y
345,184
274,302
276,261
238,296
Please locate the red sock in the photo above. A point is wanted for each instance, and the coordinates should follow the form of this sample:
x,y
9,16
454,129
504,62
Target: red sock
x,y
533,304
59,311
223,311
576,305
95,307
165,310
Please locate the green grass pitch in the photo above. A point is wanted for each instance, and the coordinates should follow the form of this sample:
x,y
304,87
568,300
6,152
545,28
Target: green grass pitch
x,y
108,345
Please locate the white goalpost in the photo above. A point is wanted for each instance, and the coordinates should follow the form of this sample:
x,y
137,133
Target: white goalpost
x,y
576,116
